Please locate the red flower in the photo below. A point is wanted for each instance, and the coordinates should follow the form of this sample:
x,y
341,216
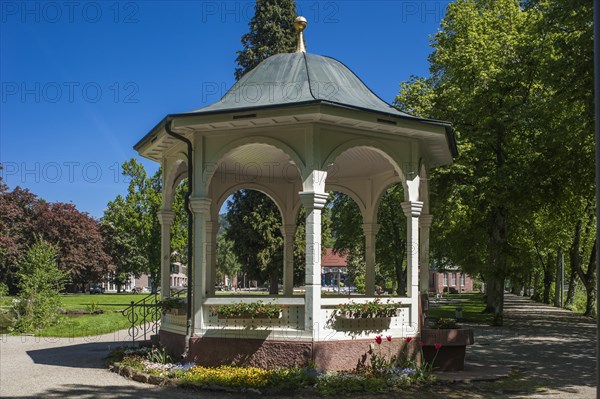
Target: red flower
x,y
408,339
438,346
378,339
282,305
389,338
421,343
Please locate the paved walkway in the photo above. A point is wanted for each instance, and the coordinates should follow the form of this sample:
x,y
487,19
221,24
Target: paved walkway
x,y
552,351
32,367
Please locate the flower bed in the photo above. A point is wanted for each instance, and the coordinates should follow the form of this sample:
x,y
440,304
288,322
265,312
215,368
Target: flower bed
x,y
154,366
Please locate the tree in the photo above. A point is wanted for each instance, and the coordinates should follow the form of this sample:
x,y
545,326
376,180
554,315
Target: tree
x,y
179,229
347,233
227,262
78,241
391,239
515,78
254,228
17,223
40,282
143,201
271,32
484,69
121,241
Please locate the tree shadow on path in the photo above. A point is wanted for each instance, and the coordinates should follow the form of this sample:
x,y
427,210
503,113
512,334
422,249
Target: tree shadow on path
x,y
552,347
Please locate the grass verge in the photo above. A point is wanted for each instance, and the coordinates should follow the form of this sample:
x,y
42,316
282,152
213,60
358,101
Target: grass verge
x,y
472,304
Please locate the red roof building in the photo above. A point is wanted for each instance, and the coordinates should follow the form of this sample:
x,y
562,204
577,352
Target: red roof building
x,y
333,268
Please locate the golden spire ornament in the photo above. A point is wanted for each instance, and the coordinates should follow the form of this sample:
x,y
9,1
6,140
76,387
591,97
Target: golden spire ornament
x,y
300,24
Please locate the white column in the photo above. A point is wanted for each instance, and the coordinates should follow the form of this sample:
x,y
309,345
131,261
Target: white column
x,y
165,219
288,231
201,209
412,210
313,199
212,228
370,230
425,226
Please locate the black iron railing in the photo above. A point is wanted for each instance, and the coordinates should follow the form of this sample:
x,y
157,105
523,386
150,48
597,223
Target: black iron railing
x,y
144,317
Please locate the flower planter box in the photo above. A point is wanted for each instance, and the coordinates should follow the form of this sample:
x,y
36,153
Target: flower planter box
x,y
176,312
349,317
247,316
451,355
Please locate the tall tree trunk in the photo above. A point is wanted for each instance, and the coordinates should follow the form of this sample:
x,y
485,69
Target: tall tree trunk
x,y
498,261
570,299
588,277
548,279
400,275
558,279
499,302
273,283
495,298
590,284
590,300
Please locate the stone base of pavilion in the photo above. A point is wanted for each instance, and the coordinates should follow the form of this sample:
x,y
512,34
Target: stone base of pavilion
x,y
334,355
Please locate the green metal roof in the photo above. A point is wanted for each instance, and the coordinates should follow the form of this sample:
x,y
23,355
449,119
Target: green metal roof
x,y
287,79
300,79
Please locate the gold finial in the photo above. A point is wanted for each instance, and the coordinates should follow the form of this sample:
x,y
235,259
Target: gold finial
x,y
300,24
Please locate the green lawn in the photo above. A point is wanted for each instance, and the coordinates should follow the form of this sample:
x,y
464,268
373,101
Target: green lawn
x,y
105,302
472,304
91,324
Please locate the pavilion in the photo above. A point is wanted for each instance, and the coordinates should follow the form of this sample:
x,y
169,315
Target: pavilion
x,y
296,127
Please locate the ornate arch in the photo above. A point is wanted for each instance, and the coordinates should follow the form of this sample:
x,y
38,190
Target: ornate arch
x,y
174,172
350,193
371,144
216,206
229,148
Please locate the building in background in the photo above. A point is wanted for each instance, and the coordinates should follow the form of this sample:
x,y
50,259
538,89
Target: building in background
x,y
450,280
334,270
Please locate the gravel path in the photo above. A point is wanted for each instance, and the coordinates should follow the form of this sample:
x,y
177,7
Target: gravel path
x,y
552,351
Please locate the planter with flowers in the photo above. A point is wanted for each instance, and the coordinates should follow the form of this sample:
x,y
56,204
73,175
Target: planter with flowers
x,y
250,310
371,316
374,309
445,345
173,306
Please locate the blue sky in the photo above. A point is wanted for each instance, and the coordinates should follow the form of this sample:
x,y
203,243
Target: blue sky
x,y
82,82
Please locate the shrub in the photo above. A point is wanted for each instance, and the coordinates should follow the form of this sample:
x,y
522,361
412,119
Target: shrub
x,y
3,289
40,281
444,324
